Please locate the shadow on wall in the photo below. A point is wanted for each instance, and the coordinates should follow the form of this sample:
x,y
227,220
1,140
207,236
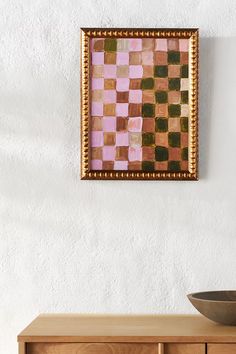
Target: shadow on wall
x,y
206,93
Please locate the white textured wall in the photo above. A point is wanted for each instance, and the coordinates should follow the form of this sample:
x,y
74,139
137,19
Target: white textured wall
x,y
76,246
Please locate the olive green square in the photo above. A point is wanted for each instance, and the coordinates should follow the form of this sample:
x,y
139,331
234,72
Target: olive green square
x,y
161,153
184,96
174,110
174,166
184,70
161,71
161,125
174,84
147,84
174,139
184,124
184,154
110,45
173,57
148,139
148,110
161,96
148,166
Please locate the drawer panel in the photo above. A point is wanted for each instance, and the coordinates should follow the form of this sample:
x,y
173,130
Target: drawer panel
x,y
184,348
221,349
91,348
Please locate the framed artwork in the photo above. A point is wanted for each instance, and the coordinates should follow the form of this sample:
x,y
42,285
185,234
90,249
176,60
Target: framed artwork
x,y
139,104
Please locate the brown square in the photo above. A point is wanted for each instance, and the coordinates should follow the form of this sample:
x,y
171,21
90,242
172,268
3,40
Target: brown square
x,y
184,140
161,139
97,95
122,97
135,84
109,109
135,166
98,45
97,71
148,125
174,124
161,110
173,44
183,57
122,71
184,165
174,97
148,96
110,58
161,84
135,110
148,153
160,58
109,84
148,44
96,153
174,71
135,58
109,138
108,165
147,70
96,123
161,165
121,124
122,153
174,154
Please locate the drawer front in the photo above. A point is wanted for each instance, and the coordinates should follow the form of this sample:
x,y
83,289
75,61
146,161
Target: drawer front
x,y
183,348
221,349
91,348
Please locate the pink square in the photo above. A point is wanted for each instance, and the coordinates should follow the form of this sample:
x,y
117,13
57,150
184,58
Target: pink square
x,y
96,139
96,165
97,84
109,124
122,139
97,109
183,45
135,45
161,45
147,58
135,71
135,124
122,84
122,58
109,96
122,109
135,96
98,58
108,153
135,154
110,71
121,165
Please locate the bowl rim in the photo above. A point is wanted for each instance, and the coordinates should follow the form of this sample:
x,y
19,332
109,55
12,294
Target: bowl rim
x,y
192,296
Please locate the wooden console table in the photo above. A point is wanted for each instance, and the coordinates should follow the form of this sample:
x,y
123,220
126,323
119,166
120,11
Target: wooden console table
x,y
92,334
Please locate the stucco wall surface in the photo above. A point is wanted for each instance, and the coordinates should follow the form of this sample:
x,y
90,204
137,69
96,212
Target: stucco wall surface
x,y
96,246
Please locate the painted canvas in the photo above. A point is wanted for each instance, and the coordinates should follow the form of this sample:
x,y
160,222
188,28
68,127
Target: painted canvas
x,y
140,102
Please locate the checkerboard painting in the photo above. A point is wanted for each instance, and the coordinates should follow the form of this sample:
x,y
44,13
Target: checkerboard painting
x,y
139,104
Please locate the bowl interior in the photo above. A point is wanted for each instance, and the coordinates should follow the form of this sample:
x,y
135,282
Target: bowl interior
x,y
224,295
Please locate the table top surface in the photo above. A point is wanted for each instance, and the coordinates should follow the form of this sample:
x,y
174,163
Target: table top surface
x,y
126,328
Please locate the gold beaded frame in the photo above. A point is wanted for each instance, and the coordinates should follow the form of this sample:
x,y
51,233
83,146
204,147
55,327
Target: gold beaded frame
x,y
193,36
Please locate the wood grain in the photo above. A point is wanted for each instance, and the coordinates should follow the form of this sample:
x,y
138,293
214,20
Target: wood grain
x,y
22,348
132,329
91,348
176,348
221,348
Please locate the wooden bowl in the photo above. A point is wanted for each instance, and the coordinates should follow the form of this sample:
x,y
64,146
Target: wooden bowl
x,y
218,306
